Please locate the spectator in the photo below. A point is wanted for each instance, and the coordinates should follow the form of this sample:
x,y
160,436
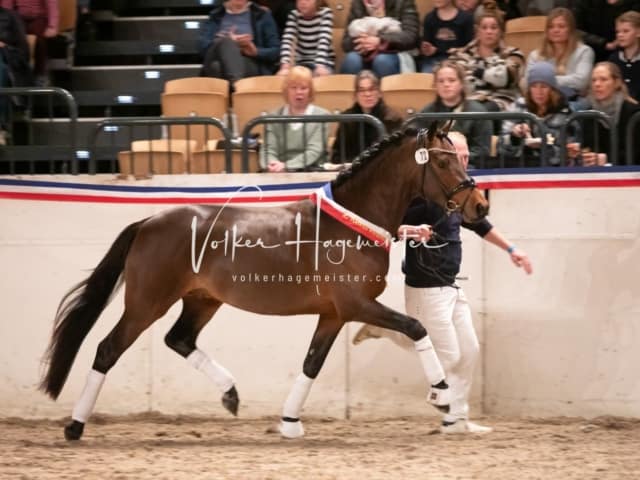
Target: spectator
x,y
524,144
468,6
596,20
572,60
628,55
295,146
348,143
509,8
239,40
609,95
40,18
382,50
452,97
307,39
279,11
493,70
445,27
15,70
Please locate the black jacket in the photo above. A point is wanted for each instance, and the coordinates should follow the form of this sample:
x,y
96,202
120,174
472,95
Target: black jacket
x,y
348,144
438,266
596,132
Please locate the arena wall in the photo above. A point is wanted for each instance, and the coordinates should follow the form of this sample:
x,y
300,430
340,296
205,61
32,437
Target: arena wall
x,y
561,342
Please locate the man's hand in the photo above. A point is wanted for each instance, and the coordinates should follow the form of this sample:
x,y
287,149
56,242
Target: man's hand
x,y
520,259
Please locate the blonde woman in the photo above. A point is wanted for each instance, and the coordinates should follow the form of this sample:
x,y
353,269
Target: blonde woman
x,y
295,146
562,47
609,95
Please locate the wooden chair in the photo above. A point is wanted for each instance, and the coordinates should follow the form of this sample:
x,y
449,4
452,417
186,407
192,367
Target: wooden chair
x,y
255,96
211,160
195,97
340,10
526,33
156,157
408,93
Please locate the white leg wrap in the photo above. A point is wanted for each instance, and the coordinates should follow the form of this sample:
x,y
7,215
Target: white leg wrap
x,y
293,406
84,406
297,396
212,369
430,362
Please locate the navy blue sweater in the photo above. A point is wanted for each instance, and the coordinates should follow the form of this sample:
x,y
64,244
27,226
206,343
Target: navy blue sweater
x,y
426,267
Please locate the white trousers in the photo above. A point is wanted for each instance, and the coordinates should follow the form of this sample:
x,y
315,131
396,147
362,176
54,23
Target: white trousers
x,y
445,313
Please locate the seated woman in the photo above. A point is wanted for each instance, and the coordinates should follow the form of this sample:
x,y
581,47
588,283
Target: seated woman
x,y
239,40
381,49
562,47
609,95
452,97
492,69
307,39
353,138
522,144
295,146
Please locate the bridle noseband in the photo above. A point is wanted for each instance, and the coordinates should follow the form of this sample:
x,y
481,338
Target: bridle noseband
x,y
467,184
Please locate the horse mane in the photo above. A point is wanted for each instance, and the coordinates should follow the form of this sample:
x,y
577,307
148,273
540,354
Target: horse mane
x,y
371,153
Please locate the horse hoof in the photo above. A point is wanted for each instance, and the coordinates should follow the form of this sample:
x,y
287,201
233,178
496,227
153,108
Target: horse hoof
x,y
440,397
74,430
230,401
291,428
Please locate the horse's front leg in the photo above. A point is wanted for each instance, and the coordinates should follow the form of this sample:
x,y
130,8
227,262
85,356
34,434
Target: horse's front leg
x,y
326,332
374,313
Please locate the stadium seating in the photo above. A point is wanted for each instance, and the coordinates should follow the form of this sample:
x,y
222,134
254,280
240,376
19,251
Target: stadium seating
x,y
408,93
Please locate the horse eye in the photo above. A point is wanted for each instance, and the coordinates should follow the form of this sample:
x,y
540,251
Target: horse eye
x,y
443,163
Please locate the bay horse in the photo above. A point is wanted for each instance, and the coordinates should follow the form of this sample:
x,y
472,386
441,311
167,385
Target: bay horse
x,y
317,255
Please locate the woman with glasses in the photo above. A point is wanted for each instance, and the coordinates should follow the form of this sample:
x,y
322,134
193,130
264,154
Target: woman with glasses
x,y
353,137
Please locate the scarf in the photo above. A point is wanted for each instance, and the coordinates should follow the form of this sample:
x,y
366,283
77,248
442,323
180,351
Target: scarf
x,y
612,106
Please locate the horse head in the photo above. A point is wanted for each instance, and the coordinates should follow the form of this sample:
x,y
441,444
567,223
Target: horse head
x,y
444,176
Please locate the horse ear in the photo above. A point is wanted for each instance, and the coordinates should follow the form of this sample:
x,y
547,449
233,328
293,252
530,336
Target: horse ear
x,y
447,126
432,129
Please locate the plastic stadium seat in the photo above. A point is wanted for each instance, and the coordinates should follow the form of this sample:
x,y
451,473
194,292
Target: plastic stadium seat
x,y
340,10
423,7
334,92
211,160
408,93
337,46
152,157
255,96
196,97
68,15
526,33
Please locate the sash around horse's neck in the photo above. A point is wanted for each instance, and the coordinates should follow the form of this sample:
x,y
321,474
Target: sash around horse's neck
x,y
323,198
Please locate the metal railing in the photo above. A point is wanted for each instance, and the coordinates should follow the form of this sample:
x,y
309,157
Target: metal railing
x,y
478,116
597,116
631,139
306,119
51,93
149,122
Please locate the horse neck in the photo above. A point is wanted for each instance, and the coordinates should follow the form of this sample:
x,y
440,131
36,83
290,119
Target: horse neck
x,y
382,191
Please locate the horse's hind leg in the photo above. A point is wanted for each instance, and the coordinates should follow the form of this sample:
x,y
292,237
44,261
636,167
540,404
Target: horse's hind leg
x,y
197,310
109,351
326,332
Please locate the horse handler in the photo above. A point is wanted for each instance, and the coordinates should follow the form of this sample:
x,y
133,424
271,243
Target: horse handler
x,y
432,261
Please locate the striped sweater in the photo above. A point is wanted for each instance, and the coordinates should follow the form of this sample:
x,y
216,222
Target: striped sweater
x,y
35,9
311,39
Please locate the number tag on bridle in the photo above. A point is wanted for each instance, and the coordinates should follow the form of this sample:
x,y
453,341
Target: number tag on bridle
x,y
422,156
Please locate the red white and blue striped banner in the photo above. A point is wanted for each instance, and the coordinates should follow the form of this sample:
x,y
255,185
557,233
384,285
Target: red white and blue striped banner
x,y
80,191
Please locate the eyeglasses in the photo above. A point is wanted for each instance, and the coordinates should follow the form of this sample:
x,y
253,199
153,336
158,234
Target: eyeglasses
x,y
367,90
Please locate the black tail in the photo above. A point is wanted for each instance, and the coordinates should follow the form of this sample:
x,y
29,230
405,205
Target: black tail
x,y
79,310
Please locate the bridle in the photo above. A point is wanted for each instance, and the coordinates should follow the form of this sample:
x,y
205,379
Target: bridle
x,y
467,184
